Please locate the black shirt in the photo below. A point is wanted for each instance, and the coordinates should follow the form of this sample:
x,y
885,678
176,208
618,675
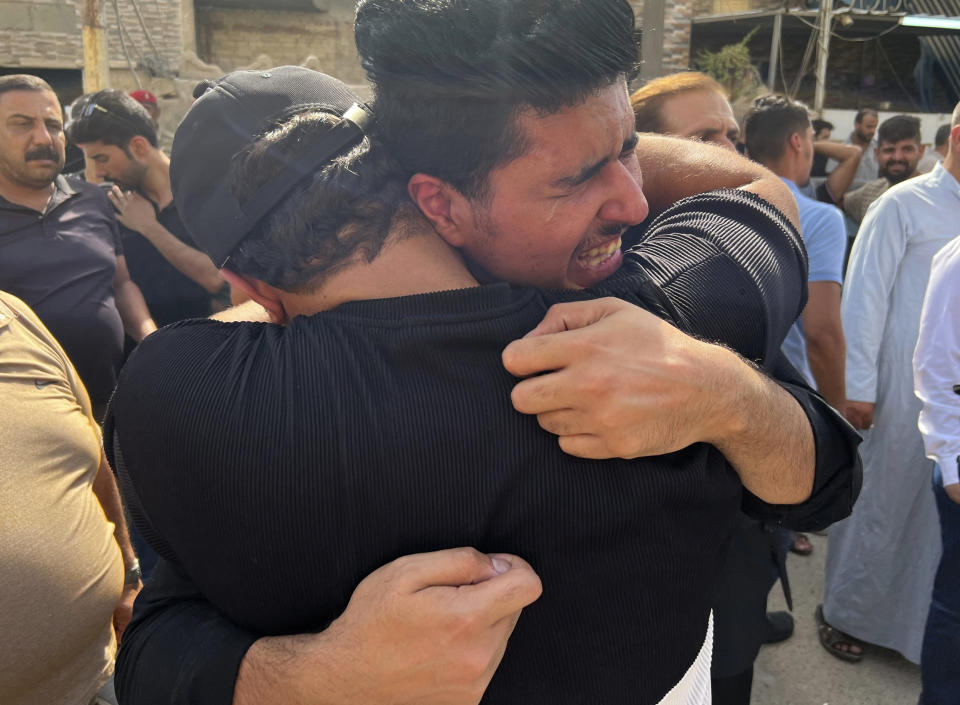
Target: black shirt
x,y
62,263
170,295
819,167
316,452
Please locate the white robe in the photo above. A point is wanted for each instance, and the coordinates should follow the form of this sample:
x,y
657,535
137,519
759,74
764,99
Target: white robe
x,y
881,561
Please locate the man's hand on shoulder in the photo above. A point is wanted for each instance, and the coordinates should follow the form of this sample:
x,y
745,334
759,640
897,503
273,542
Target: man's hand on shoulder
x,y
429,628
133,210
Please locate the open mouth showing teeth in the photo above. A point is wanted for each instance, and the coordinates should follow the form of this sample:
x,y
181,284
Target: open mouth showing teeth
x,y
600,254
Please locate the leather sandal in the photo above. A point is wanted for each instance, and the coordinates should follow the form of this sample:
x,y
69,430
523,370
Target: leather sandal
x,y
831,638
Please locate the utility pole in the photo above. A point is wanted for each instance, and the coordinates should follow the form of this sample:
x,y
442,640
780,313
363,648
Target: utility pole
x,y
775,40
651,43
825,23
96,63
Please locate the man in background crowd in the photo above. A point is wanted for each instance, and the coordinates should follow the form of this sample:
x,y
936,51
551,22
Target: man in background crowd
x,y
821,133
780,137
66,588
881,561
936,369
864,128
688,104
60,247
120,142
899,150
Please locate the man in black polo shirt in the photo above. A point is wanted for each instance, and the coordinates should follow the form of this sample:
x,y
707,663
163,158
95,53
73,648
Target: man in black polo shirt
x,y
118,137
60,250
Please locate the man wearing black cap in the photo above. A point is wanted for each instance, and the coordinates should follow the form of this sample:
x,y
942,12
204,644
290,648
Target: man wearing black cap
x,y
391,411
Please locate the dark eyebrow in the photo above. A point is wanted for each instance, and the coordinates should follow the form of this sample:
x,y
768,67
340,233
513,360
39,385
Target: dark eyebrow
x,y
582,176
588,172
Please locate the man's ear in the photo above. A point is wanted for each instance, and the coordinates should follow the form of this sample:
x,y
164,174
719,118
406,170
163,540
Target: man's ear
x,y
261,292
445,207
139,147
796,142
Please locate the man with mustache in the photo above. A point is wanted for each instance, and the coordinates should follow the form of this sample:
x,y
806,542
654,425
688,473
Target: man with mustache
x,y
60,249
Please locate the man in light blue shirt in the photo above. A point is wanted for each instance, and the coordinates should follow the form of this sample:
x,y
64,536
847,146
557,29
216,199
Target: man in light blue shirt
x,y
780,136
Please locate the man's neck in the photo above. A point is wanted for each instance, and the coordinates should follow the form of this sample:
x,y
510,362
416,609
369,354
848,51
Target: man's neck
x,y
952,164
857,140
33,198
156,182
787,168
417,261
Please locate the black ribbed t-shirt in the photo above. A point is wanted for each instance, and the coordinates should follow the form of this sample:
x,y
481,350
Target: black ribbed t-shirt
x,y
274,467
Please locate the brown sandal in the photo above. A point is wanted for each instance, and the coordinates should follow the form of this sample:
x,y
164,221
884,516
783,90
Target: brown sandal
x,y
831,639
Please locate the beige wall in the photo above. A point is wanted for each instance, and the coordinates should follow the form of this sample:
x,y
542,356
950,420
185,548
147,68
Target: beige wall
x,y
233,39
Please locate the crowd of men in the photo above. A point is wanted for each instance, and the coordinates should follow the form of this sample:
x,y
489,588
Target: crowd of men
x,y
516,342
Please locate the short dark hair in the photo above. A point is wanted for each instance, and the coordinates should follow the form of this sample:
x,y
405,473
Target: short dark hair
x,y
820,124
450,76
111,117
897,128
346,210
23,82
943,134
771,121
862,113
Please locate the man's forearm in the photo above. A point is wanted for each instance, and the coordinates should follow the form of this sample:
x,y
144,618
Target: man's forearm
x,y
133,310
190,262
674,168
286,670
842,177
764,434
105,488
826,354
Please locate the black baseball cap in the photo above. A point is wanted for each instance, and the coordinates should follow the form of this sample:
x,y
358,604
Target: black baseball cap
x,y
229,114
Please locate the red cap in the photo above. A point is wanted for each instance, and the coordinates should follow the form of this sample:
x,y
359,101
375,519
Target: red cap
x,y
142,96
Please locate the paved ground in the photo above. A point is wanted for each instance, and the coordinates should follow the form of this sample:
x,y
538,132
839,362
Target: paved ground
x,y
800,672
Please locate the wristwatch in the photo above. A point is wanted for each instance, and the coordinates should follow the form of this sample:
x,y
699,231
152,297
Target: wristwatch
x,y
133,575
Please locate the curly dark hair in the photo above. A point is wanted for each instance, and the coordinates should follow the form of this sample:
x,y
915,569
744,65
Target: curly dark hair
x,y
344,212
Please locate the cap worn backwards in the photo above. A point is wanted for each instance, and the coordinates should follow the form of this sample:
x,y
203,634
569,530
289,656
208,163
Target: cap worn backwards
x,y
229,114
